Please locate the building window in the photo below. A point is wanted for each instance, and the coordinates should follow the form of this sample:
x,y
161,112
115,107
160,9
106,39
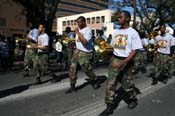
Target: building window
x,y
93,20
75,22
102,19
72,22
88,20
68,22
64,23
97,19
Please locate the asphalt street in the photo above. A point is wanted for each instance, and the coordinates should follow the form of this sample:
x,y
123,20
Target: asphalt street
x,y
19,97
158,103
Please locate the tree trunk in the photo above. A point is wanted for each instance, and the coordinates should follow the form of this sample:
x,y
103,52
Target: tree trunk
x,y
133,2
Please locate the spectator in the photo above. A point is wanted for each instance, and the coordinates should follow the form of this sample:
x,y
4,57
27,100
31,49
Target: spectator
x,y
5,55
69,33
109,39
59,52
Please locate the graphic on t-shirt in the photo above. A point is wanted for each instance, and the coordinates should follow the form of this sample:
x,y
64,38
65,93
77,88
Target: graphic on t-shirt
x,y
162,43
120,42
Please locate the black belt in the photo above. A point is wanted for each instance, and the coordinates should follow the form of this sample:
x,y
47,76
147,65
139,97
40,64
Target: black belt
x,y
163,53
119,57
43,53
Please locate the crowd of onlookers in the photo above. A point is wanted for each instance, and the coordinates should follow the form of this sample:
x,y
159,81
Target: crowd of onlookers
x,y
7,46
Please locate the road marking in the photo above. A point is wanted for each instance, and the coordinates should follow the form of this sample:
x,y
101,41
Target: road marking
x,y
95,108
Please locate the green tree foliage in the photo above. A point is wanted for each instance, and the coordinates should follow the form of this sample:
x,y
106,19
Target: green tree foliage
x,y
40,11
151,12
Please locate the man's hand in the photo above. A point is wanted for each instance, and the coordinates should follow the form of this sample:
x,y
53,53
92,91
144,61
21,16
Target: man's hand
x,y
80,36
28,37
169,58
34,46
120,64
42,47
76,30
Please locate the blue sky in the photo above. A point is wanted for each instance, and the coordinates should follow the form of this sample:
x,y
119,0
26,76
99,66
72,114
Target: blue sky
x,y
125,8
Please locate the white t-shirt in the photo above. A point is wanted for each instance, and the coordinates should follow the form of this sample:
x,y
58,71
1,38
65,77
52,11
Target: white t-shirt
x,y
43,40
144,43
151,41
124,41
58,46
164,42
87,34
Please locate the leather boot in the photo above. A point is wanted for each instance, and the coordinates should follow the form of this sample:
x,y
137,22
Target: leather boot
x,y
109,110
155,81
120,93
95,84
132,102
71,89
26,73
165,79
37,79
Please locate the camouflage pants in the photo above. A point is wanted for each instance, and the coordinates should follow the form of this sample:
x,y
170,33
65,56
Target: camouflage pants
x,y
41,64
162,65
29,58
140,60
69,55
124,76
82,58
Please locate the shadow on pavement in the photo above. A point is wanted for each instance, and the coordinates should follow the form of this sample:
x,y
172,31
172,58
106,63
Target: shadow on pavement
x,y
14,90
101,79
57,78
19,89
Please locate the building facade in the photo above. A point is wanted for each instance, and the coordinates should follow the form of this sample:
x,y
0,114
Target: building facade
x,y
73,7
11,19
13,22
98,20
